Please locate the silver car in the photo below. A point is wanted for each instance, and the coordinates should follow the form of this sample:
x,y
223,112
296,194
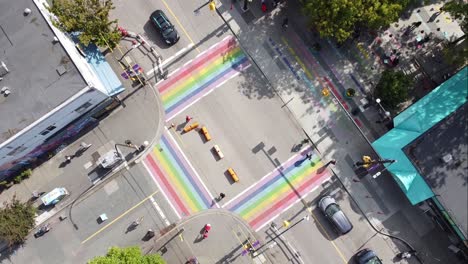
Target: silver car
x,y
335,215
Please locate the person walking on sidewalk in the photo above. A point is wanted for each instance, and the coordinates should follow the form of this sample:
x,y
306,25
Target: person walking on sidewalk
x,y
264,6
285,23
188,118
221,196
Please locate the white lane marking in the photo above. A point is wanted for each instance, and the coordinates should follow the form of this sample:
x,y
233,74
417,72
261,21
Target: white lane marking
x,y
170,59
187,63
289,244
162,191
193,169
198,99
160,212
287,208
234,75
268,174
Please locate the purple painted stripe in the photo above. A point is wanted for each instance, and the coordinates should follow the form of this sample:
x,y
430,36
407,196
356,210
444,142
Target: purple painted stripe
x,y
197,96
189,172
260,184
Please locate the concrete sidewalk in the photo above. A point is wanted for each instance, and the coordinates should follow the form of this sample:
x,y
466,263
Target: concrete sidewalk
x,y
139,119
227,241
298,75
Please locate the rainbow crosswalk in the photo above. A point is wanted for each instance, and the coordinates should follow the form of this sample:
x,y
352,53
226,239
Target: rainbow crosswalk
x,y
177,179
279,190
202,75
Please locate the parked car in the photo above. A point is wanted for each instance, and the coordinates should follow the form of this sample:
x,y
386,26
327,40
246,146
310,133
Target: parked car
x,y
335,215
367,256
164,27
55,196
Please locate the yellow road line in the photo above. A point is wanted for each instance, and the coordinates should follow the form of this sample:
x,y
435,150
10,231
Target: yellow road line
x,y
328,237
120,216
180,25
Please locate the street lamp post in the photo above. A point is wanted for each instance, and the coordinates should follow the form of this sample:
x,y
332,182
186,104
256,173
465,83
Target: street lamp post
x,y
386,113
288,227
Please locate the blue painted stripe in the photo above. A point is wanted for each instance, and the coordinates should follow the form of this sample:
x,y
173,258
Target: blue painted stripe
x,y
192,184
205,85
279,175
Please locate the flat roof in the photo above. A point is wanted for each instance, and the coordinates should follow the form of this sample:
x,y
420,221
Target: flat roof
x,y
34,61
448,180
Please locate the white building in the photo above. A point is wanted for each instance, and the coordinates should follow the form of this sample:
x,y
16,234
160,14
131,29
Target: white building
x,y
50,92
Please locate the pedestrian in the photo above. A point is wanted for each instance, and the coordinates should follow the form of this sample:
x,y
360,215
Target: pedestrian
x,y
221,196
68,158
285,23
188,118
172,126
309,156
264,6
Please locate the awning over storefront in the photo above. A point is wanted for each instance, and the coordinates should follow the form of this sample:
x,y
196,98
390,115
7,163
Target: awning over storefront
x,y
414,122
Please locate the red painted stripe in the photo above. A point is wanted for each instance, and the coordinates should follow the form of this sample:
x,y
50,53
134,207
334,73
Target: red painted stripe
x,y
358,122
287,199
197,63
337,94
168,186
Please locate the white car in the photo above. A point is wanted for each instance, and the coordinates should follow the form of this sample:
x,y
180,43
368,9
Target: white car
x,y
54,196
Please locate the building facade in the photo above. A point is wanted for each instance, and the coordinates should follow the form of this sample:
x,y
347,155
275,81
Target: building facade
x,y
51,91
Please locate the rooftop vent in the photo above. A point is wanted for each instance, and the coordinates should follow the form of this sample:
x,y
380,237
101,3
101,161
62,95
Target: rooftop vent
x,y
3,69
5,91
27,11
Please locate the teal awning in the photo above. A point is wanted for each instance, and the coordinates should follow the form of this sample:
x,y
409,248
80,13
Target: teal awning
x,y
412,123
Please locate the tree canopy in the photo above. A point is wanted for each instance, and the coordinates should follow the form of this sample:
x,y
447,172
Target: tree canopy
x,y
90,18
340,18
16,220
458,10
129,255
393,88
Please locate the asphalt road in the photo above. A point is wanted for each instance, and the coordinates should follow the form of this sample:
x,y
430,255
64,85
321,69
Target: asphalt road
x,y
256,134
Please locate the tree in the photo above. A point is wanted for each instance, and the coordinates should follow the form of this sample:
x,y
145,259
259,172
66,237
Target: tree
x,y
16,220
458,10
129,255
456,55
340,18
90,18
393,88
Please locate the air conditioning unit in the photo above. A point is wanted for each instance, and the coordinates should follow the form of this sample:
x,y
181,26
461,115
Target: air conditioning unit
x,y
3,69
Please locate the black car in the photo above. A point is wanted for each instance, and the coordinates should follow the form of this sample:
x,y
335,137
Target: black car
x,y
335,215
165,27
367,256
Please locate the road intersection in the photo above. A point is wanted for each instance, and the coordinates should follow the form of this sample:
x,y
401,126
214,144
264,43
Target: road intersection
x,y
259,99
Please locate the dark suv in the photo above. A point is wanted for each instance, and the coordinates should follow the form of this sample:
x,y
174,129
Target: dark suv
x,y
335,215
165,27
367,256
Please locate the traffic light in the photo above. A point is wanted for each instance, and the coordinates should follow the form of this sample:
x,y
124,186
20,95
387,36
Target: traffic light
x,y
212,5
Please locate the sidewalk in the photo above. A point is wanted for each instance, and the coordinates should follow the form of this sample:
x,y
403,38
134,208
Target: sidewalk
x,y
226,242
299,74
138,119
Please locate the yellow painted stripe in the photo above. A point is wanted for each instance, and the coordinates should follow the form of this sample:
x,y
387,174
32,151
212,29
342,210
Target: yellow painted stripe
x,y
120,216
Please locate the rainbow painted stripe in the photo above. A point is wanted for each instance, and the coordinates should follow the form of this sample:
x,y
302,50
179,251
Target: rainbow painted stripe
x,y
279,190
201,76
176,178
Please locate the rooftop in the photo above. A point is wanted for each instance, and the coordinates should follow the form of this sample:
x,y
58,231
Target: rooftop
x,y
448,179
50,77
